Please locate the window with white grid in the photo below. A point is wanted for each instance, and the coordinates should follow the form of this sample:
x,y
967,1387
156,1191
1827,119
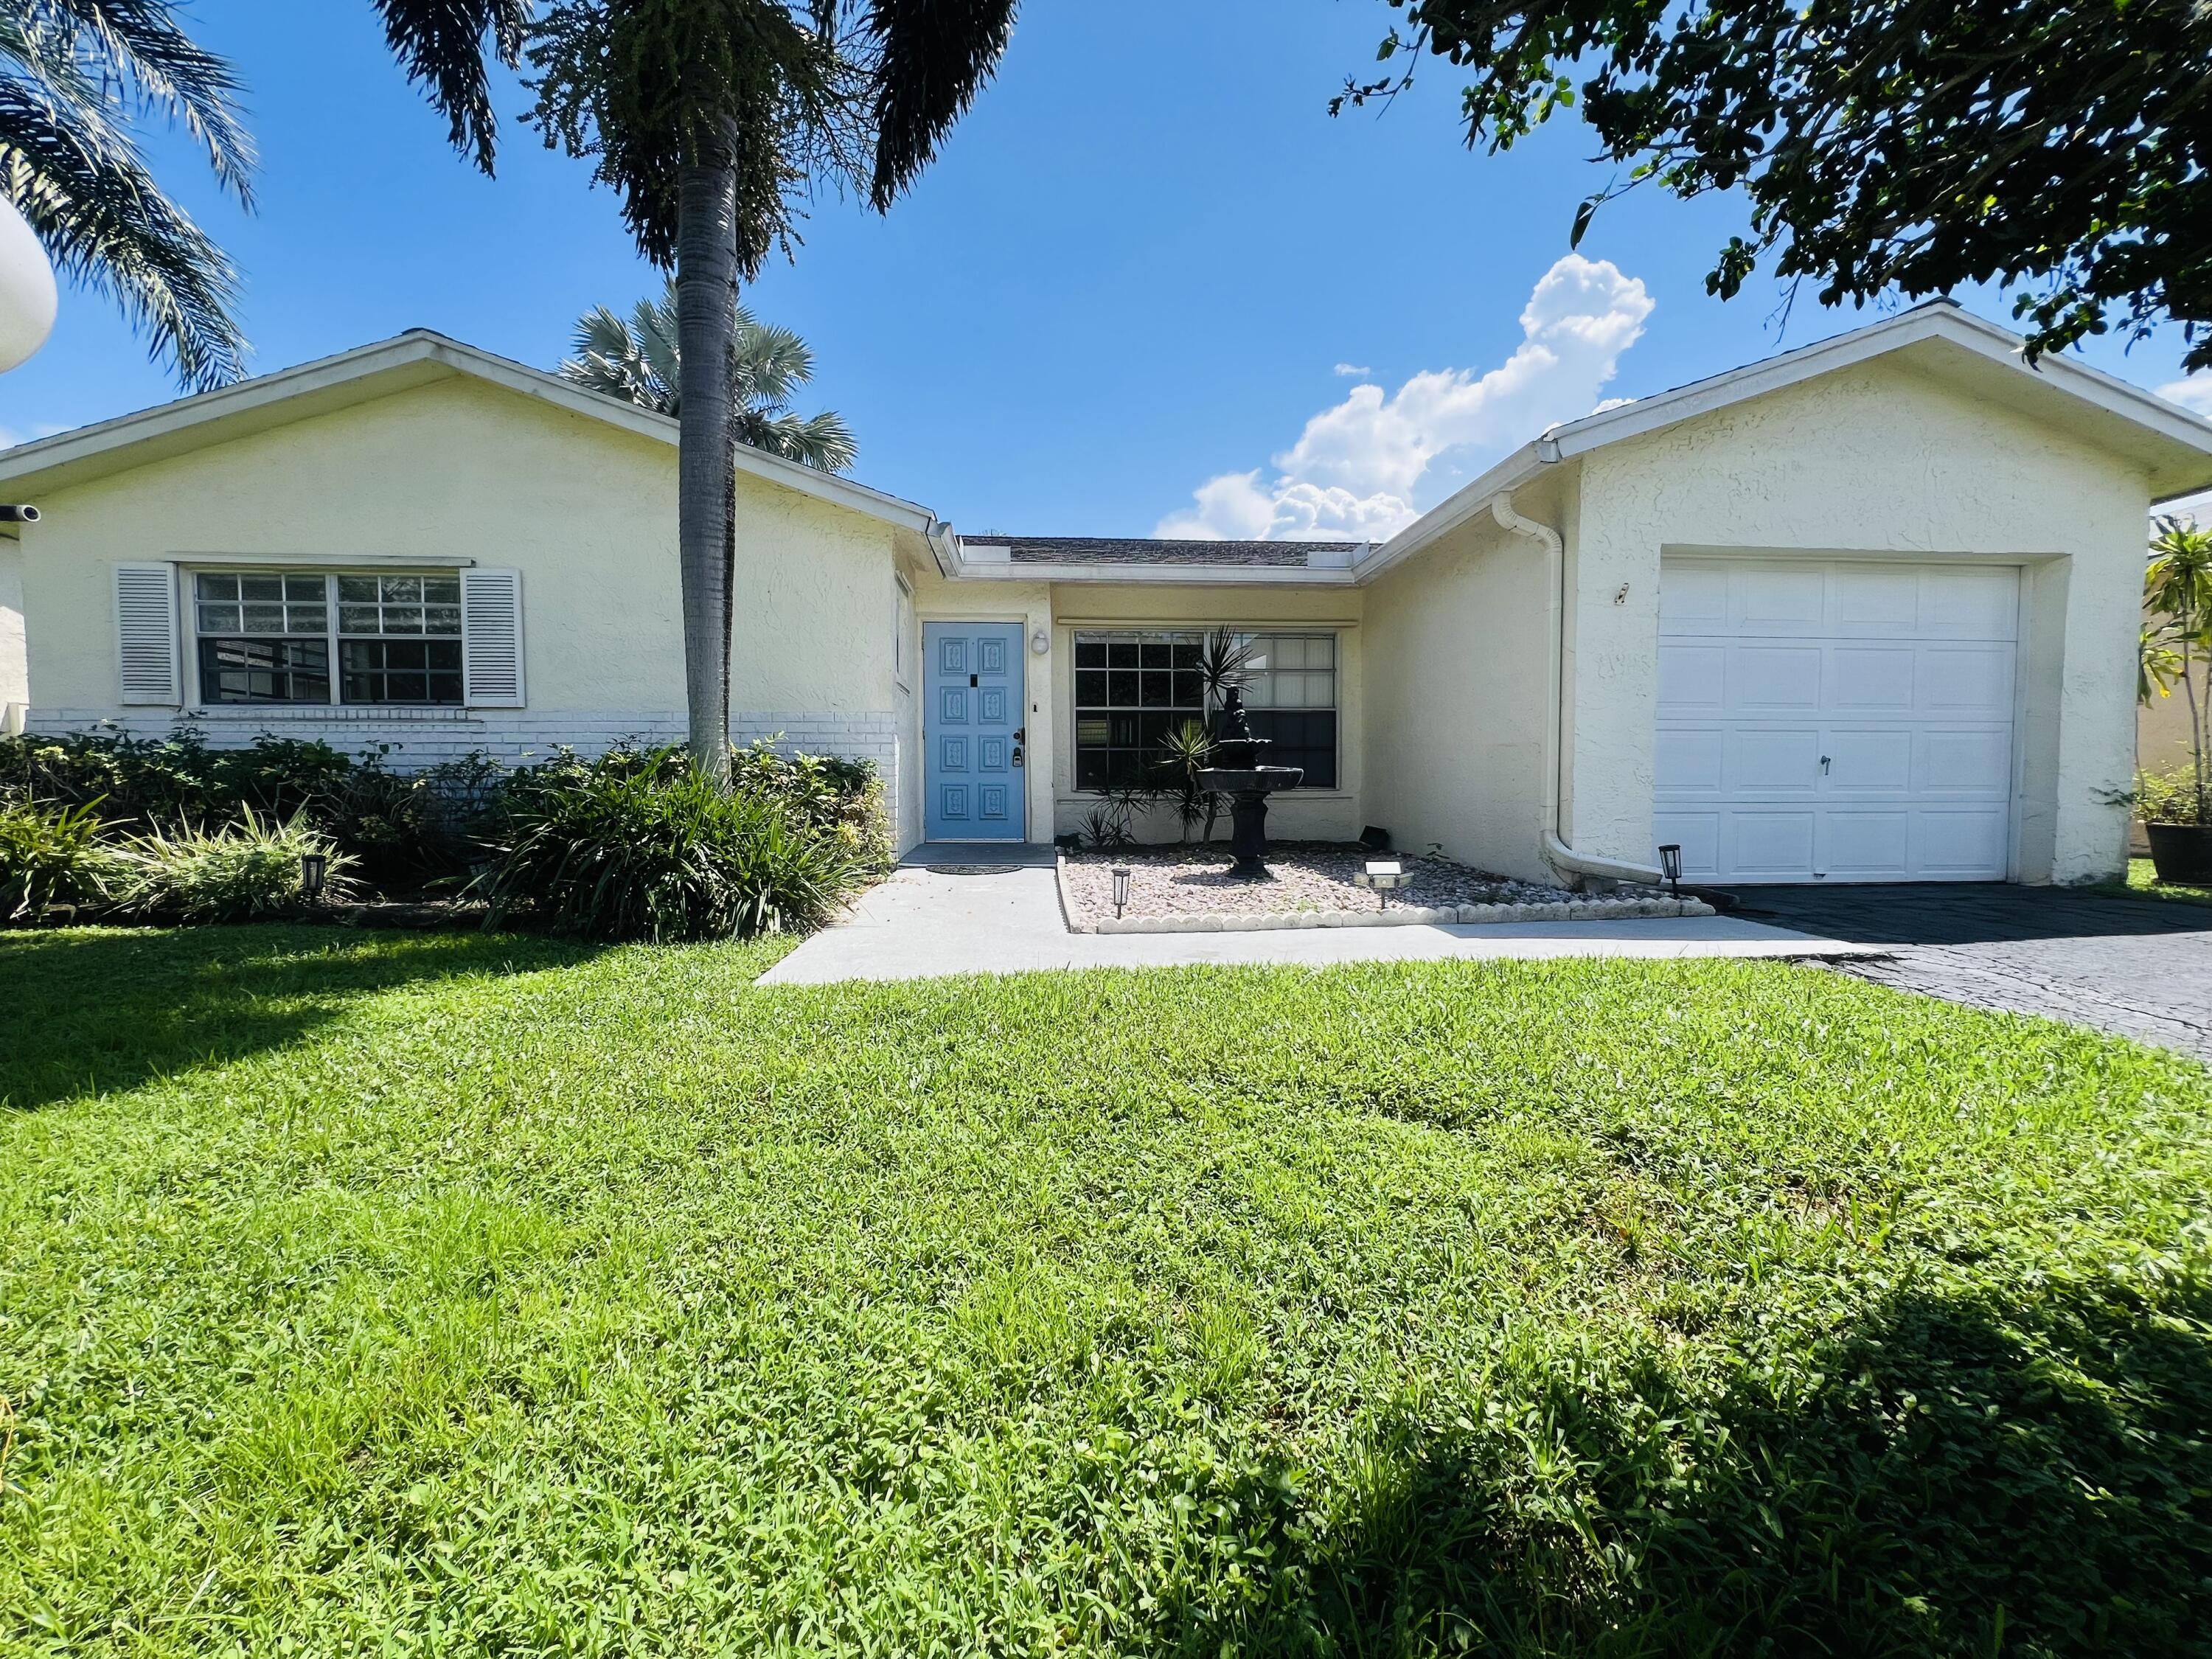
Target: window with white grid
x,y
274,637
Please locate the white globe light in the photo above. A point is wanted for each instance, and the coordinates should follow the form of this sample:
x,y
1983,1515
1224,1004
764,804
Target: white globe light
x,y
27,298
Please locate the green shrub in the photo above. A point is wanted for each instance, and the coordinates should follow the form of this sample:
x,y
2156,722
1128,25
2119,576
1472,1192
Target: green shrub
x,y
240,871
50,854
403,828
179,779
2167,797
640,844
827,792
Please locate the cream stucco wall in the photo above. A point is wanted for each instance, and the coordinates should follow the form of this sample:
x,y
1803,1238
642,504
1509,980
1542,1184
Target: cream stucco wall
x,y
15,662
461,469
452,470
1877,460
1458,672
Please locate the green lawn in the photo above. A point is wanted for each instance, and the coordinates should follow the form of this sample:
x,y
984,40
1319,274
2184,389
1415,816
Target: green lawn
x,y
2142,882
408,1295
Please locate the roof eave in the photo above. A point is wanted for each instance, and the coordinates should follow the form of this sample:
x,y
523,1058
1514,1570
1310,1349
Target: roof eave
x,y
1165,575
365,370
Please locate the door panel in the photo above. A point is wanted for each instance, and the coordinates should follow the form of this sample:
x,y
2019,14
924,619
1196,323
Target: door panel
x,y
1836,720
973,705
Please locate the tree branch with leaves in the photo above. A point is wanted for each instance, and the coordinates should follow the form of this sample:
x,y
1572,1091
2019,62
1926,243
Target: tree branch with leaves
x,y
2059,147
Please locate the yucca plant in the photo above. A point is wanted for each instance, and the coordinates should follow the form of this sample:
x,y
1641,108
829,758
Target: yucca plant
x,y
1183,754
51,856
244,870
651,846
1224,664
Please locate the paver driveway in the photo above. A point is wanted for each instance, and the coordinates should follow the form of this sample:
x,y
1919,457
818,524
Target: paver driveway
x,y
2138,967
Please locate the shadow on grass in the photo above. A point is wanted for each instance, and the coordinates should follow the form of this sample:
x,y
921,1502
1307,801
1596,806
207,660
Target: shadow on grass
x,y
83,1011
1948,1481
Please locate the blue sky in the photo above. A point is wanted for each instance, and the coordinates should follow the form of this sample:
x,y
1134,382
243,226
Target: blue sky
x,y
1133,276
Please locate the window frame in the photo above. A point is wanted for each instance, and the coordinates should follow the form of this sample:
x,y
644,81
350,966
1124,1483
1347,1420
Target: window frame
x,y
1157,632
332,637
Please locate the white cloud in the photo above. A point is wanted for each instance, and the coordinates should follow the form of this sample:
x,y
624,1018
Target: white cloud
x,y
1355,371
1362,469
2194,393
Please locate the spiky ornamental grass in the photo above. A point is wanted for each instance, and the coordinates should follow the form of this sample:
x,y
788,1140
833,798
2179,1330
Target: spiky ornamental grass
x,y
473,1293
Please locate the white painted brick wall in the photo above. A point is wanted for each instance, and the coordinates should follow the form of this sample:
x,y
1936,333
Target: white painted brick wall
x,y
424,737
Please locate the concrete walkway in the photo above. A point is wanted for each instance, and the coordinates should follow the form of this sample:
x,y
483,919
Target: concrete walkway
x,y
925,924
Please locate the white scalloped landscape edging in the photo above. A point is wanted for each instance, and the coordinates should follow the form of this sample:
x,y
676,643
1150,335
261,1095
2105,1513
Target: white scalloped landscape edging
x,y
1401,915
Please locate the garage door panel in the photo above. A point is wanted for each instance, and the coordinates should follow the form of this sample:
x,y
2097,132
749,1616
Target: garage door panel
x,y
1900,676
1962,844
1776,598
1774,679
1693,759
1694,597
1768,760
1969,603
1869,760
1873,600
1769,844
1865,844
1966,681
1692,678
1866,679
1971,760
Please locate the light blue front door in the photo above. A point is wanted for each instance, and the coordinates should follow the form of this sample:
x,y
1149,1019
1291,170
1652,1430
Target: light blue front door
x,y
972,727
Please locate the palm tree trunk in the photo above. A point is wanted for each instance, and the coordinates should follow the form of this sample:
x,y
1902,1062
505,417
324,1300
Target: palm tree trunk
x,y
706,331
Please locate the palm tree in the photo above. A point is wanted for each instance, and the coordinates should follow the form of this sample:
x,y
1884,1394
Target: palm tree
x,y
74,76
709,118
637,360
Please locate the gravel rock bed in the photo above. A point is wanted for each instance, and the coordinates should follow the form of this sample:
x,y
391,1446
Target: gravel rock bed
x,y
1309,884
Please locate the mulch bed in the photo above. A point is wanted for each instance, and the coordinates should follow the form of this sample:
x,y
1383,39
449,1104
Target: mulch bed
x,y
1304,879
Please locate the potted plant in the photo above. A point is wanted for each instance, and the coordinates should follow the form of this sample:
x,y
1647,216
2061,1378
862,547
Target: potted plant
x,y
2177,653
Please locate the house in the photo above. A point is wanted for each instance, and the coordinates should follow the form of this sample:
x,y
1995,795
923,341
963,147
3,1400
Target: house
x,y
1865,610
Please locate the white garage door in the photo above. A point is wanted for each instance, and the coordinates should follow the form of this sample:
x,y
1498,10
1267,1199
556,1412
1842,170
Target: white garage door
x,y
1843,721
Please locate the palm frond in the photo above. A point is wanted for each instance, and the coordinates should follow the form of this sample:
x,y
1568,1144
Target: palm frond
x,y
636,360
931,57
74,74
771,363
445,46
82,185
134,50
822,442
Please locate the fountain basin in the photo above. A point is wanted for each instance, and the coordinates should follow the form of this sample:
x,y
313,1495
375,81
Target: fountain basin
x,y
1241,779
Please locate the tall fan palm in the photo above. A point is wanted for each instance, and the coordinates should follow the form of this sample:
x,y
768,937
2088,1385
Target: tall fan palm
x,y
638,359
75,75
710,119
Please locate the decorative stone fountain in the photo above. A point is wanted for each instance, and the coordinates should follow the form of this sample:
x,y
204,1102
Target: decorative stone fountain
x,y
1237,774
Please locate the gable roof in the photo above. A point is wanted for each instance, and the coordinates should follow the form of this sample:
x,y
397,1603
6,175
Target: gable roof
x,y
2174,446
1157,549
418,357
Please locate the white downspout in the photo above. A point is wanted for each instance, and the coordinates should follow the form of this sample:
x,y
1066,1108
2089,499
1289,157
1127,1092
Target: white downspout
x,y
1556,850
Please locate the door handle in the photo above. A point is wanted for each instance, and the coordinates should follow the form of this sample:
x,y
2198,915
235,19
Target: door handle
x,y
1018,754
1824,762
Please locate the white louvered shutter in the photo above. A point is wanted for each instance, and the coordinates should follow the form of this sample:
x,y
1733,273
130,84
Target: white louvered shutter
x,y
491,638
146,632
